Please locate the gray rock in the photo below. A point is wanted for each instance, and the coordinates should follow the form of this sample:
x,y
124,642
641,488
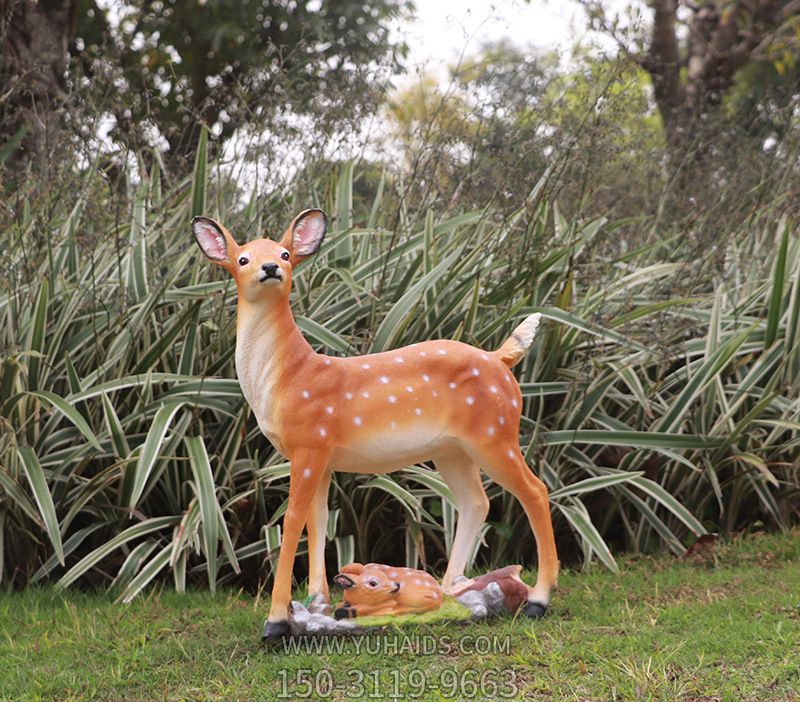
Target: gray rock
x,y
313,621
483,603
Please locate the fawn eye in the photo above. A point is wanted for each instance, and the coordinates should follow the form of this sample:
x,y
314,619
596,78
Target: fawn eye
x,y
243,260
285,255
373,583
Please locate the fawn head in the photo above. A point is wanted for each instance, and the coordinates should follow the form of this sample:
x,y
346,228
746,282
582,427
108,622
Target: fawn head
x,y
262,268
364,585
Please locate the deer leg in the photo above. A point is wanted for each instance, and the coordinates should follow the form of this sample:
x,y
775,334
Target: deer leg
x,y
308,466
316,528
463,478
505,465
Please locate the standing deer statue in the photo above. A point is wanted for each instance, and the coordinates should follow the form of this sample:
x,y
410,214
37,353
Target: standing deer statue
x,y
440,401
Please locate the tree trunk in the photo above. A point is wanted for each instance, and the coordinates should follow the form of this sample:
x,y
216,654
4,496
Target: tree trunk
x,y
33,72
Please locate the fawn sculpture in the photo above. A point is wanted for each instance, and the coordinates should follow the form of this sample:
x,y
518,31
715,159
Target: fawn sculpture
x,y
377,589
443,401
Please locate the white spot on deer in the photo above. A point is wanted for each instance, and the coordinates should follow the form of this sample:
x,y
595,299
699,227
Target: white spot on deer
x,y
384,380
357,421
323,432
423,354
392,399
514,402
364,394
470,400
417,411
307,473
493,388
484,357
326,361
393,574
501,420
417,581
409,388
510,453
399,359
442,352
393,425
365,366
306,394
329,410
490,431
435,394
452,386
426,377
475,372
348,396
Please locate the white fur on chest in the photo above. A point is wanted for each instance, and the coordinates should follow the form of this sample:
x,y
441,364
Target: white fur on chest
x,y
256,369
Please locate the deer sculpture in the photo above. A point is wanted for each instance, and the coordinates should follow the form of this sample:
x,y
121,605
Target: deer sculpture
x,y
440,401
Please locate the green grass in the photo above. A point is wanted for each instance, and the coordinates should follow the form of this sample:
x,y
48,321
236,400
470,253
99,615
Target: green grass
x,y
722,625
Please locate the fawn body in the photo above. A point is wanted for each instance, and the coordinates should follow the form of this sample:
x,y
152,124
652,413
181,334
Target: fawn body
x,y
443,401
379,589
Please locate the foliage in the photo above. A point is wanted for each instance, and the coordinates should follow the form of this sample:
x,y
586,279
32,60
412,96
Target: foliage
x,y
722,625
127,450
149,73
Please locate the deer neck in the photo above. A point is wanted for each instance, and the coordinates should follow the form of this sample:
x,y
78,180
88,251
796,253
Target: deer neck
x,y
269,348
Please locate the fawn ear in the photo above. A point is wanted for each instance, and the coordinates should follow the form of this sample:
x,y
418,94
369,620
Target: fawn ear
x,y
352,569
215,241
344,581
305,234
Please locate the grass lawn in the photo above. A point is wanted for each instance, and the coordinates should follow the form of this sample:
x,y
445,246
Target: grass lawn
x,y
723,625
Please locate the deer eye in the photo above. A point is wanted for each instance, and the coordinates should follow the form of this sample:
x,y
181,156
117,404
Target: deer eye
x,y
285,255
243,260
372,583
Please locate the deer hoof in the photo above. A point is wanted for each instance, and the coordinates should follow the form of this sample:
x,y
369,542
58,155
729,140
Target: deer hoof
x,y
345,613
534,610
275,631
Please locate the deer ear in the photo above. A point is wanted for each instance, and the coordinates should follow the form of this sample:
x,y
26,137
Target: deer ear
x,y
305,234
344,581
215,241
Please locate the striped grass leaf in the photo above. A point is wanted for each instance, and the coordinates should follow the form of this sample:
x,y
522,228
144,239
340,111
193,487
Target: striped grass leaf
x,y
19,498
145,575
72,543
775,309
658,493
148,526
694,386
321,334
645,439
598,482
186,531
650,517
227,542
131,565
149,451
200,175
579,520
272,540
3,515
573,320
207,499
345,550
44,500
410,502
118,439
401,311
36,335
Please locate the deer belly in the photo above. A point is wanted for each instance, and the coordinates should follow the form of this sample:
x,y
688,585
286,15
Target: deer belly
x,y
383,453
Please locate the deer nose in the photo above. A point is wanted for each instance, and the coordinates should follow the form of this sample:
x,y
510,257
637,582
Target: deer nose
x,y
269,268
